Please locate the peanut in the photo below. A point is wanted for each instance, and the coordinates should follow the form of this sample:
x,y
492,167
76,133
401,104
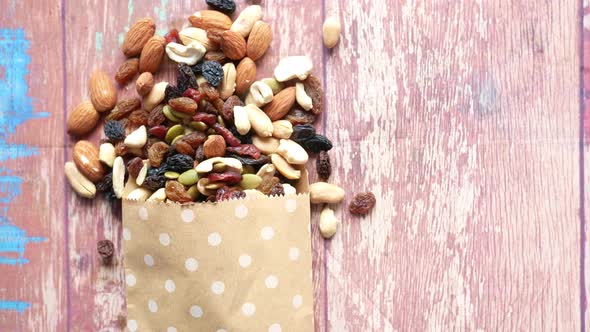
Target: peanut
x,y
78,182
328,223
322,192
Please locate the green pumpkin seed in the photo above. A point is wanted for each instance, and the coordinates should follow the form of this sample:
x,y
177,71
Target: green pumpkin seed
x,y
173,132
193,191
171,175
250,181
189,177
211,131
220,121
180,115
176,139
167,110
198,125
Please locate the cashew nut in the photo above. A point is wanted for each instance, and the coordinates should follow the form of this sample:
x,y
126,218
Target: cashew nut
x,y
192,34
261,93
328,223
189,54
292,152
302,98
322,192
293,67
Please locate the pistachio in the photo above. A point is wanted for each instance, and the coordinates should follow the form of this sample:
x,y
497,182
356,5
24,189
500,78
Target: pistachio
x,y
284,167
106,154
137,138
158,196
173,132
79,183
289,189
259,121
189,177
206,166
261,93
155,96
328,223
142,173
171,175
266,145
292,152
118,176
274,85
302,98
139,194
322,192
228,83
189,54
250,181
282,129
293,67
241,120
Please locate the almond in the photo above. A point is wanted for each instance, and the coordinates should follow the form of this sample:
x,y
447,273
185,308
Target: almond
x,y
82,119
245,75
127,71
214,146
137,36
281,104
184,105
87,161
245,21
259,40
152,54
144,83
207,19
102,92
233,45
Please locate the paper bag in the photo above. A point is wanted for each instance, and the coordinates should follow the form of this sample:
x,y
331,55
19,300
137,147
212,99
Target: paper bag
x,y
239,265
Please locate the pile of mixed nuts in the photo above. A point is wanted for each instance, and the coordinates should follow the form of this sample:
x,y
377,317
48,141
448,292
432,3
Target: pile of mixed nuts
x,y
216,133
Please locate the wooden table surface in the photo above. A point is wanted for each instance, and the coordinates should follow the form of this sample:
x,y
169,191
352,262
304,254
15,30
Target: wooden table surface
x,y
465,118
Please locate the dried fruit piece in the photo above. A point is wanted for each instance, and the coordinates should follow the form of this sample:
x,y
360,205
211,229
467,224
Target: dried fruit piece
x,y
176,192
276,190
362,203
313,88
298,117
156,117
154,182
210,91
317,143
247,150
228,108
105,249
120,149
200,154
179,163
323,165
184,105
250,161
134,166
229,177
124,108
139,117
158,131
193,94
213,72
224,6
172,36
227,135
186,78
127,70
302,132
183,147
194,139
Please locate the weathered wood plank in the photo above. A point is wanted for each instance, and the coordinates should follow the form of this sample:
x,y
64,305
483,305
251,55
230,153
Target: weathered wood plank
x,y
464,119
32,212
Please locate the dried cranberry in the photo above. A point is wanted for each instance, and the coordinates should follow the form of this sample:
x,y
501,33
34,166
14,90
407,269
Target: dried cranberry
x,y
230,139
248,150
172,36
193,94
227,177
207,118
362,203
158,131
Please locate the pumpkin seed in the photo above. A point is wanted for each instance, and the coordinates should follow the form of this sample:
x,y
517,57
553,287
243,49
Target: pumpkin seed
x,y
173,132
176,139
250,181
198,125
189,177
171,175
167,110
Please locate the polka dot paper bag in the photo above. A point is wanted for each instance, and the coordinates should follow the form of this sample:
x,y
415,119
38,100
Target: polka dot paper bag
x,y
241,265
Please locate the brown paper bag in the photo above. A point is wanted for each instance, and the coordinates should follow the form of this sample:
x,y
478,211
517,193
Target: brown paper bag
x,y
240,265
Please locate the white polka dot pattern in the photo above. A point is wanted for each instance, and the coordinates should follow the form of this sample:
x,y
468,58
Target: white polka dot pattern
x,y
132,325
245,260
191,264
248,309
241,211
271,281
143,213
196,311
130,280
164,239
148,260
293,253
275,328
218,287
152,306
214,239
297,301
267,233
170,286
187,215
126,234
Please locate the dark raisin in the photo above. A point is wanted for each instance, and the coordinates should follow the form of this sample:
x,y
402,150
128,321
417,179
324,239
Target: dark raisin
x,y
110,195
198,68
157,170
114,130
249,161
316,144
200,153
212,72
179,163
297,116
323,165
156,116
245,139
302,132
186,78
207,107
277,190
105,249
225,6
171,92
227,112
154,182
362,203
106,183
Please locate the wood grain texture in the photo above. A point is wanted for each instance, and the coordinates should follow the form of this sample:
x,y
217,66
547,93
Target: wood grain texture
x,y
464,119
39,209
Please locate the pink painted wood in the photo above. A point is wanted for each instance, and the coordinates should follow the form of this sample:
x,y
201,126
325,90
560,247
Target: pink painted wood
x,y
462,117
